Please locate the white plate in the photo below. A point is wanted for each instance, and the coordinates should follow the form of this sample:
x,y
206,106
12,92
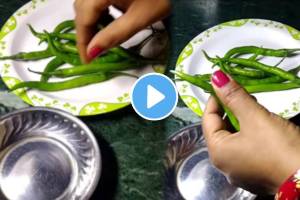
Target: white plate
x,y
219,39
90,100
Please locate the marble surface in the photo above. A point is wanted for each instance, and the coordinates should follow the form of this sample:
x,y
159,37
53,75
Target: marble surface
x,y
133,149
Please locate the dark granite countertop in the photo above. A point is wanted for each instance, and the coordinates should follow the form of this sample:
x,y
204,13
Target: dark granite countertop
x,y
133,148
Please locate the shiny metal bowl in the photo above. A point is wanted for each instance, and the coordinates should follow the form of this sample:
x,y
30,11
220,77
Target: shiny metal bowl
x,y
196,178
47,154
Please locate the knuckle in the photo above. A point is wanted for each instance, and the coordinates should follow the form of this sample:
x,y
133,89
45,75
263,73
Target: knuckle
x,y
84,20
109,37
232,95
76,4
104,40
113,38
261,109
92,7
281,122
99,5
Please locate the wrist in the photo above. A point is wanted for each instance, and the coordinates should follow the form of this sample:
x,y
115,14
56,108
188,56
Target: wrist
x,y
282,169
289,167
290,189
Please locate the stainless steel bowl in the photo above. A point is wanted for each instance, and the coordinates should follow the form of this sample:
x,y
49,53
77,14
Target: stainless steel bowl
x,y
196,177
47,154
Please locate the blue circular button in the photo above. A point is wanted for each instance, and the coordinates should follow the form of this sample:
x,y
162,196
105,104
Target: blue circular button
x,y
154,96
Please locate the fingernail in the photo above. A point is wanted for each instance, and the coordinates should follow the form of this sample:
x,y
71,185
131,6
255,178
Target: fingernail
x,y
220,79
95,52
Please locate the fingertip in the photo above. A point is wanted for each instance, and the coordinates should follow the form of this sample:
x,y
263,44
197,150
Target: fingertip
x,y
100,42
212,120
94,52
84,34
220,79
82,53
211,105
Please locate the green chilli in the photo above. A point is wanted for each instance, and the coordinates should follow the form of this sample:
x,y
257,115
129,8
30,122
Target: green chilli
x,y
51,66
260,51
63,85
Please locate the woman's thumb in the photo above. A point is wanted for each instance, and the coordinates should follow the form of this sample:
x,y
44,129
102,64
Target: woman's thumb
x,y
234,96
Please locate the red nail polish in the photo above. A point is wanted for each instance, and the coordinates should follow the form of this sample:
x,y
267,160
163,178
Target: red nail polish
x,y
220,79
95,52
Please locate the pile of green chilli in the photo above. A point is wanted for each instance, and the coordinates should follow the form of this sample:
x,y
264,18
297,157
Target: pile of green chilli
x,y
62,50
253,75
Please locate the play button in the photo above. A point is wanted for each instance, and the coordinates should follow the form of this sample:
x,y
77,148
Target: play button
x,y
154,96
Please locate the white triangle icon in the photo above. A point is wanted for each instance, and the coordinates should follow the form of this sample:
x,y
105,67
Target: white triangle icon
x,y
153,96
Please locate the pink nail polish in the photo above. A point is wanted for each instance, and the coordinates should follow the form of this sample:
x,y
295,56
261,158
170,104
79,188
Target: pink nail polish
x,y
220,79
95,52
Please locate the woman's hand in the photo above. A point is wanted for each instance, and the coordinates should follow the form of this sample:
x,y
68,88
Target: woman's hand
x,y
264,153
138,15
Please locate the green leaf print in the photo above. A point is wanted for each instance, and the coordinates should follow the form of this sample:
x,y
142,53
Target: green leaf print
x,y
294,32
236,23
8,27
99,108
193,104
187,52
